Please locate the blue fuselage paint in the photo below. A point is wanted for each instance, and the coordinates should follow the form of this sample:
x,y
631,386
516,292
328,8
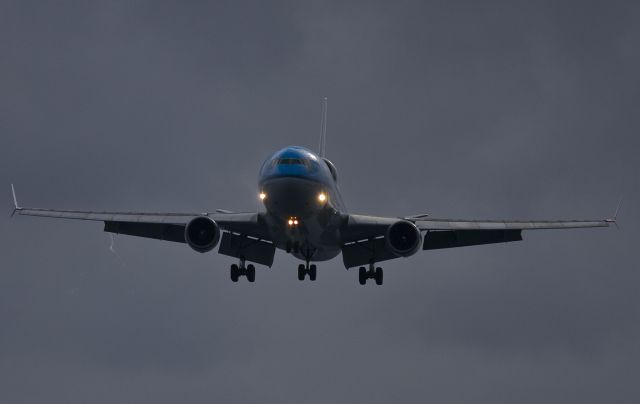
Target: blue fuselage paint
x,y
292,180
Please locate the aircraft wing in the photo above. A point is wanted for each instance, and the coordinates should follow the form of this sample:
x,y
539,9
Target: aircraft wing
x,y
161,226
363,237
462,224
244,235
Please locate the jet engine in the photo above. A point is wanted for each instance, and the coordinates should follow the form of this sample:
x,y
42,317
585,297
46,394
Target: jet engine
x,y
403,238
202,234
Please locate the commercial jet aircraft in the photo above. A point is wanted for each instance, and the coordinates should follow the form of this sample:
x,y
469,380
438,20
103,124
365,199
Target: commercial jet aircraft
x,y
305,216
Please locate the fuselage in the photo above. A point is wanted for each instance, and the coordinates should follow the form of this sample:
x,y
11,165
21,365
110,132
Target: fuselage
x,y
303,203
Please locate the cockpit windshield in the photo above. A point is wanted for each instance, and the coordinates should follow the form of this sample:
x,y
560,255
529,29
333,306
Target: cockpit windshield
x,y
292,161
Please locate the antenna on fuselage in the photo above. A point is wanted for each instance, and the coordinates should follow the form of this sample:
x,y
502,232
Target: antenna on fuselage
x,y
323,127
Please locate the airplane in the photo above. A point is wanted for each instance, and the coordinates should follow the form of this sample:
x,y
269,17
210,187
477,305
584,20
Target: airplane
x,y
304,215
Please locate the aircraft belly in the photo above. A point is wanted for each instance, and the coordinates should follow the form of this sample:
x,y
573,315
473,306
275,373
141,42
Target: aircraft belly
x,y
318,231
315,223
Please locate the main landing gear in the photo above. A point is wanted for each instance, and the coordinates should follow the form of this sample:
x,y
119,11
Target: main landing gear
x,y
304,269
239,270
364,274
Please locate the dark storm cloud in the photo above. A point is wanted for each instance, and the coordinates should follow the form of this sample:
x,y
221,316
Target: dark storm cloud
x,y
514,110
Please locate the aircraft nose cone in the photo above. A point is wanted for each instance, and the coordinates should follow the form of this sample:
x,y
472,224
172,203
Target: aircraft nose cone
x,y
292,197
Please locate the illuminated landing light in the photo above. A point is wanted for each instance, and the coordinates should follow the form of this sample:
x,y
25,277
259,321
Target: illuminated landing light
x,y
290,222
293,221
262,196
322,197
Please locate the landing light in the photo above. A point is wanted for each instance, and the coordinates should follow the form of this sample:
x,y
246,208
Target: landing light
x,y
290,222
262,196
322,197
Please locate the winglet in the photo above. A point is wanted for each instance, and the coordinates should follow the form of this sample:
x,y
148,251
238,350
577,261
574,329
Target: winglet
x,y
614,220
15,201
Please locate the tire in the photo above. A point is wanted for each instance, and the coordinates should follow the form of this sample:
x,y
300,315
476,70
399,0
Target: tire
x,y
362,276
312,272
234,273
251,273
378,276
301,272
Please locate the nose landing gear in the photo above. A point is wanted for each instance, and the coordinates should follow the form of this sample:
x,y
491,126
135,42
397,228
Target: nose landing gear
x,y
303,270
240,270
364,274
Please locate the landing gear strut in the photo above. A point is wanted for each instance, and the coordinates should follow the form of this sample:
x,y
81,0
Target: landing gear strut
x,y
303,269
241,270
364,274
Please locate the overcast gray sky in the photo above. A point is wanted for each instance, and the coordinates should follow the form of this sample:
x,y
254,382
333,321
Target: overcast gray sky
x,y
459,109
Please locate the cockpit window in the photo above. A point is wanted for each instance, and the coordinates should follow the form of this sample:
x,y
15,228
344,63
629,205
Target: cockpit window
x,y
292,161
289,161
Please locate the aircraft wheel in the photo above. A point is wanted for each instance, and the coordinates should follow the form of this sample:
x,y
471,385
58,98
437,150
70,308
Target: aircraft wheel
x,y
362,275
378,276
234,272
312,272
301,272
251,273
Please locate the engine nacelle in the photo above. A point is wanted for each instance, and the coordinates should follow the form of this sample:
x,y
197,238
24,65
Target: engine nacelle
x,y
403,238
202,234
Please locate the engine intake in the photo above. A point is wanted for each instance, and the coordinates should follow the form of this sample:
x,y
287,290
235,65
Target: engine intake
x,y
403,238
202,234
